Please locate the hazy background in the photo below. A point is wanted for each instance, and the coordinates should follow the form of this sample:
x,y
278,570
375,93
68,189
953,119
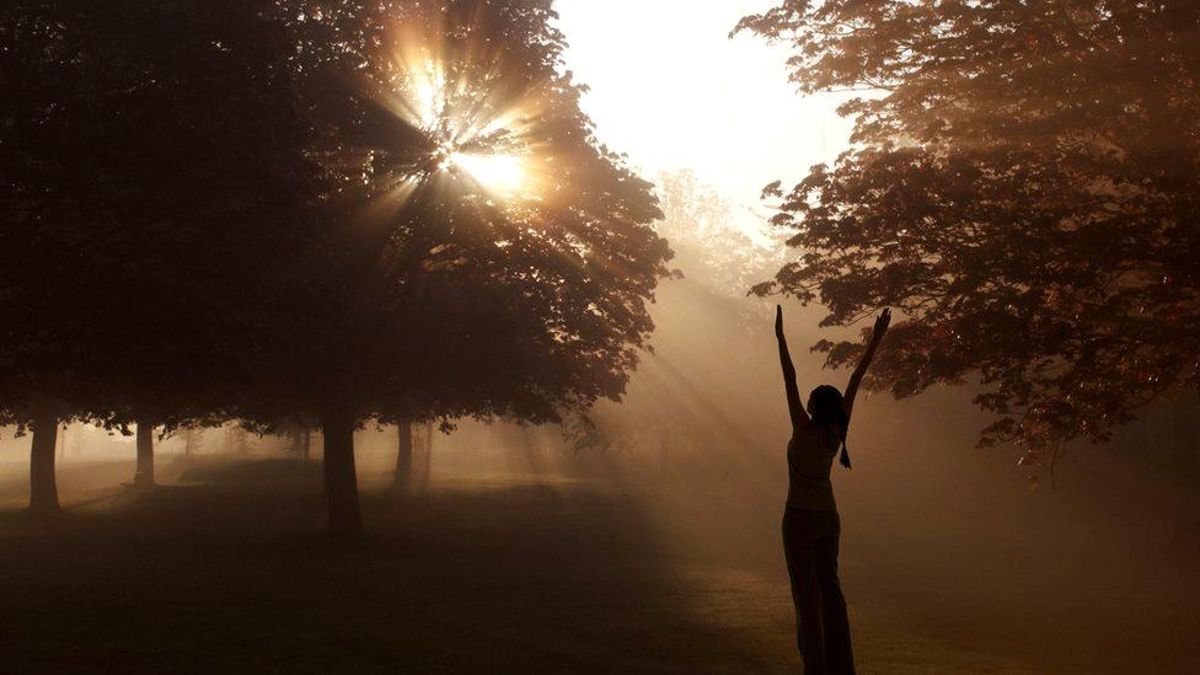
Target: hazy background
x,y
946,548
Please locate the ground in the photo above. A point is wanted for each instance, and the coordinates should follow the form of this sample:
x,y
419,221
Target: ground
x,y
225,570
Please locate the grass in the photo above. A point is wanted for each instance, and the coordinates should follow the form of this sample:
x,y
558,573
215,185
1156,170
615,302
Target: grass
x,y
226,571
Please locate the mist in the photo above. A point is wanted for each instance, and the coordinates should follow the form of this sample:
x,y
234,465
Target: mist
x,y
479,336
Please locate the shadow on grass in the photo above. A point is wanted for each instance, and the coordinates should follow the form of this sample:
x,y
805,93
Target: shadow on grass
x,y
234,576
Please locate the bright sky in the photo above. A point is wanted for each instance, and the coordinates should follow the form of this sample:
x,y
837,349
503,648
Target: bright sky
x,y
671,90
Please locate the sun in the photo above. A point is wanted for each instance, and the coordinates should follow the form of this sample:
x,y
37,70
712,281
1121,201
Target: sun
x,y
482,137
503,174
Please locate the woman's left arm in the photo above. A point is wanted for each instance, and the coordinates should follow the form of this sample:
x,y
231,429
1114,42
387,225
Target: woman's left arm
x,y
881,326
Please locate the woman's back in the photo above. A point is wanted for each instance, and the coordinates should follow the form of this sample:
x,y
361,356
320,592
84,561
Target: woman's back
x,y
810,456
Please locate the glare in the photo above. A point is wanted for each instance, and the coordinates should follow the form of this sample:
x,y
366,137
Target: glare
x,y
481,136
500,173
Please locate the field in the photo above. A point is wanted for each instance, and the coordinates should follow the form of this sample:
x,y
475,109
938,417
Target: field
x,y
224,569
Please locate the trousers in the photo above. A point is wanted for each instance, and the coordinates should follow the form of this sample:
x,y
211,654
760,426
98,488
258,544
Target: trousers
x,y
810,546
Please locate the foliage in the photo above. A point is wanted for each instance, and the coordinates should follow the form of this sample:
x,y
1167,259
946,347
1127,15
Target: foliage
x,y
1023,185
151,177
439,295
710,246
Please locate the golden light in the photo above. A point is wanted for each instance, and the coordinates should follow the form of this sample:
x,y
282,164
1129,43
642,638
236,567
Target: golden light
x,y
480,134
503,174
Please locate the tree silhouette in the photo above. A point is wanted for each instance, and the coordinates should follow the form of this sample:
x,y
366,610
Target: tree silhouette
x,y
151,179
437,288
1023,185
274,210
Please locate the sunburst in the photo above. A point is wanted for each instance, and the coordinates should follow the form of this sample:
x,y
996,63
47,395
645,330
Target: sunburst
x,y
480,137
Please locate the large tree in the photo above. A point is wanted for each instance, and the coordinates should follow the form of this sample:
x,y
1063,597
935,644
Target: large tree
x,y
1024,184
482,254
151,177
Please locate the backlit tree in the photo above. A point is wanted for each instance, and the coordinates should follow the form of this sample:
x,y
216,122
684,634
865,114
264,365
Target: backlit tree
x,y
1024,184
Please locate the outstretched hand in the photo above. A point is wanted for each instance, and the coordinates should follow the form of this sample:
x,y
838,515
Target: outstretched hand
x,y
778,321
882,322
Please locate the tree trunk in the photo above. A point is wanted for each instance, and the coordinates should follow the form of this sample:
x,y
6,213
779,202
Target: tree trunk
x,y
43,489
404,451
426,452
143,477
307,450
341,482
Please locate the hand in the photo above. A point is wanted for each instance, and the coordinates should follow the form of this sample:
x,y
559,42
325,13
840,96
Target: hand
x,y
778,321
882,322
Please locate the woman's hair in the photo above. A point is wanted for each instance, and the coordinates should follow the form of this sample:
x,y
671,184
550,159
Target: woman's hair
x,y
826,407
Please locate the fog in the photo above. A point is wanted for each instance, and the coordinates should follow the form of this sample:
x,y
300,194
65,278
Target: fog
x,y
476,336
949,554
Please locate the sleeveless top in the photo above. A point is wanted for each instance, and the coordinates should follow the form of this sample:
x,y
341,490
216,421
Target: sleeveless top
x,y
810,456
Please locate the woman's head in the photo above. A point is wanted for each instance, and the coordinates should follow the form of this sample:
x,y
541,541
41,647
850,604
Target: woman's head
x,y
825,406
827,409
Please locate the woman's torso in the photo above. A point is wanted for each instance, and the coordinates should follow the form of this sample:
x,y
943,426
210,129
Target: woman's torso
x,y
810,456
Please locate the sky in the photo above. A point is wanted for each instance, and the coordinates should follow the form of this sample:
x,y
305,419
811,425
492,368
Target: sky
x,y
671,90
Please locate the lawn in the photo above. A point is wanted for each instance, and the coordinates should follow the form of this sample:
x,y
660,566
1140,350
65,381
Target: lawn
x,y
224,569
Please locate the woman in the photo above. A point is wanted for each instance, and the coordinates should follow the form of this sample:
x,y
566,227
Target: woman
x,y
810,522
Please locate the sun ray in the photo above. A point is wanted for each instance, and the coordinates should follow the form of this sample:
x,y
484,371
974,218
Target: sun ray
x,y
480,126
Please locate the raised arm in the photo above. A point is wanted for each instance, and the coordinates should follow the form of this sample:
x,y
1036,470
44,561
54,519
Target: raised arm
x,y
795,407
881,326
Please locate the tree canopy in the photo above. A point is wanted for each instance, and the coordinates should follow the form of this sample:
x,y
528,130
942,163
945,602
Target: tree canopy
x,y
452,292
1024,184
152,177
278,209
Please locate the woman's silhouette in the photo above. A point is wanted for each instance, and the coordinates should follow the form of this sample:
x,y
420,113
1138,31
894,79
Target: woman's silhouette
x,y
811,526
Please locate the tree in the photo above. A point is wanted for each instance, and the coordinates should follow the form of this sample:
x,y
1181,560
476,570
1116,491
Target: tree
x,y
1023,185
404,450
193,439
359,249
710,245
481,253
151,177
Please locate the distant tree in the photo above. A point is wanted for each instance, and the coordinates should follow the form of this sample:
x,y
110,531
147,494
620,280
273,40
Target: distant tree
x,y
404,450
237,440
711,246
193,439
1024,184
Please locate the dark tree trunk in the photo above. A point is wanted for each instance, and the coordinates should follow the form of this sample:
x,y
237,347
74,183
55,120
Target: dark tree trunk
x,y
341,482
404,451
43,489
426,451
143,477
307,450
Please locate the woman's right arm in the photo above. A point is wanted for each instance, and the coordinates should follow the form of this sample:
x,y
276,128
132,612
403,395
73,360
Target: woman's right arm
x,y
795,408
